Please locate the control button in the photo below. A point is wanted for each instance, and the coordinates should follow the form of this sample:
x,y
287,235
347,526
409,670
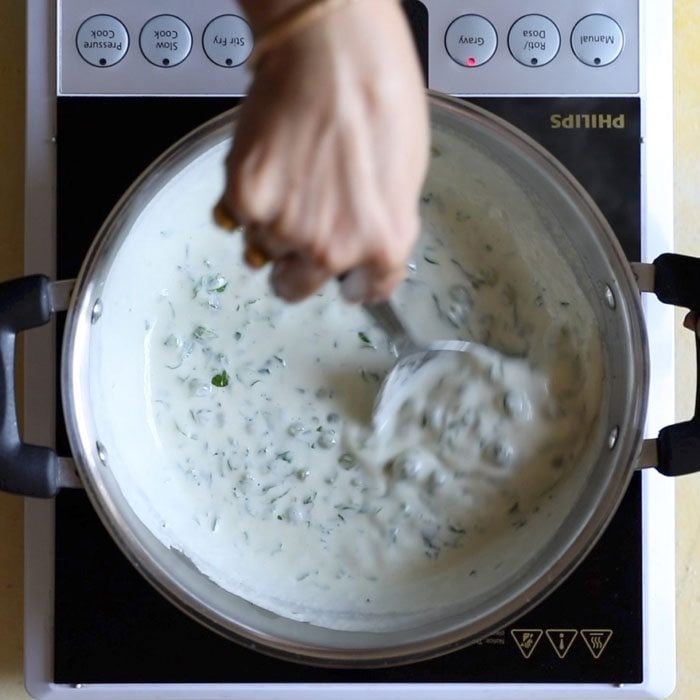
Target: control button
x,y
534,40
471,40
165,41
102,40
228,41
597,40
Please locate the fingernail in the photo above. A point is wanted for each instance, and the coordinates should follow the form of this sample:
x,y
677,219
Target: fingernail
x,y
255,257
355,286
223,217
280,282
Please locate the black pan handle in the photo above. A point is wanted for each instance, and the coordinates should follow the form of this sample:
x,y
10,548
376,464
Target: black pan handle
x,y
28,470
677,282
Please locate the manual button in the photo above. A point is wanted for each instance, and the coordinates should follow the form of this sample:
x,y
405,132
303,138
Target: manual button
x,y
471,40
597,40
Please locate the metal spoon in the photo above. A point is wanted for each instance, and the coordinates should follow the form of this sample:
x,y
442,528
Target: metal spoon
x,y
411,358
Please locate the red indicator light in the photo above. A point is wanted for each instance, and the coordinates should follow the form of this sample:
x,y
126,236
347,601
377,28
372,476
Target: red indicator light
x,y
471,61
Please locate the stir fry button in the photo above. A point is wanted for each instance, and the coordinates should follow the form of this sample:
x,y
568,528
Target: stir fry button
x,y
228,41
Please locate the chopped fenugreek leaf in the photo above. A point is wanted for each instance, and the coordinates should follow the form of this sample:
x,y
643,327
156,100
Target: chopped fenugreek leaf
x,y
200,333
220,380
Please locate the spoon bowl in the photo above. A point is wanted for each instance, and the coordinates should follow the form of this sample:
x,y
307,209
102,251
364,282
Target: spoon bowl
x,y
411,358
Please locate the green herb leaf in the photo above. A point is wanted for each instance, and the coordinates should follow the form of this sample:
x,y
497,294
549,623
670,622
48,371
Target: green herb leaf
x,y
220,380
200,333
214,283
364,338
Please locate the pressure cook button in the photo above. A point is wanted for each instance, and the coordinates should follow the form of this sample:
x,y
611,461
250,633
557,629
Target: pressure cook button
x,y
597,40
228,41
471,40
534,40
165,41
102,40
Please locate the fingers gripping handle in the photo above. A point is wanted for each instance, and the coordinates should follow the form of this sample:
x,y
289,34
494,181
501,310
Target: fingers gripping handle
x,y
677,282
28,470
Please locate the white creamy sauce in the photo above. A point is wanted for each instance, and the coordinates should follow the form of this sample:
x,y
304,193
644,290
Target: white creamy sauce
x,y
269,477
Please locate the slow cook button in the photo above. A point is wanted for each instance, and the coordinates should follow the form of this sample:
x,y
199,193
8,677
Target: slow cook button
x,y
165,41
597,40
102,40
534,40
228,41
471,40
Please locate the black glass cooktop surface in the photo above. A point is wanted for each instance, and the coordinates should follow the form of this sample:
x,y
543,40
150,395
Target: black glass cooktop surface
x,y
111,627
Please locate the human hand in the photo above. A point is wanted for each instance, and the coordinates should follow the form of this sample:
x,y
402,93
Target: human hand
x,y
330,154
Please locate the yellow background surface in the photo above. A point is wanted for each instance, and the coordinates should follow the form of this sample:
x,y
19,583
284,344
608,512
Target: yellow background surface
x,y
687,211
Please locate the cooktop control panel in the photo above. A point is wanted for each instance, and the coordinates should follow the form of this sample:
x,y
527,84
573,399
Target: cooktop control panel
x,y
475,47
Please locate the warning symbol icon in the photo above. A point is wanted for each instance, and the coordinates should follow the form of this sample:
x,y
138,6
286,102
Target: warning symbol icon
x,y
596,640
526,640
561,640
